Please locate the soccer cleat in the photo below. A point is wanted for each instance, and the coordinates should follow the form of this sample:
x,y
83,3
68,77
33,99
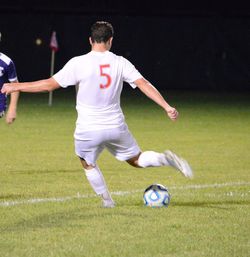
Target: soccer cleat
x,y
108,204
107,201
178,163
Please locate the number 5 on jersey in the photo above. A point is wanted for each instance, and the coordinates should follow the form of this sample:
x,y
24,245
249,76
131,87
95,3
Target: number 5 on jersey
x,y
104,73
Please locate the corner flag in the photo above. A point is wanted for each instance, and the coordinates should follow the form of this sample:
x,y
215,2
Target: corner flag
x,y
53,42
54,48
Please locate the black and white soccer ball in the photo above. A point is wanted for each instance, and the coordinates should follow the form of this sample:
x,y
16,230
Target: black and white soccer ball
x,y
156,195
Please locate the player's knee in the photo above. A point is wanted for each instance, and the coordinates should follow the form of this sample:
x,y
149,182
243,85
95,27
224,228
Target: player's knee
x,y
134,161
85,165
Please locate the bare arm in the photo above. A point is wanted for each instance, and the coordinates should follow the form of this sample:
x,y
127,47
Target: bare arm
x,y
45,85
150,91
11,114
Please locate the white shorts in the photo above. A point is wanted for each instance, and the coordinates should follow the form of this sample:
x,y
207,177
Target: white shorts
x,y
118,141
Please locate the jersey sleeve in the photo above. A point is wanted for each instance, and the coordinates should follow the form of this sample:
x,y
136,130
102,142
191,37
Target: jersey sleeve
x,y
130,73
11,72
66,76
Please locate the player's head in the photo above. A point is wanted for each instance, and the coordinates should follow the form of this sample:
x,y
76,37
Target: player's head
x,y
101,32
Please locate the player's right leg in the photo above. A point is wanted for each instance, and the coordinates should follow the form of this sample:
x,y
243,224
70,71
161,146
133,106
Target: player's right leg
x,y
125,148
179,163
168,158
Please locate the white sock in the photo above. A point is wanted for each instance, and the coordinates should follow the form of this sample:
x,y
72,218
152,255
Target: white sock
x,y
98,184
152,159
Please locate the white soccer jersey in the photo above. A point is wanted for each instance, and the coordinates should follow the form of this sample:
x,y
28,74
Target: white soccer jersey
x,y
99,77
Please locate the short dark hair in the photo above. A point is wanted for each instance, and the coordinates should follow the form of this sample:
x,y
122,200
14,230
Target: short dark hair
x,y
101,31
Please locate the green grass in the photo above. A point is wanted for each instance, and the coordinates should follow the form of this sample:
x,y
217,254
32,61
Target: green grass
x,y
207,216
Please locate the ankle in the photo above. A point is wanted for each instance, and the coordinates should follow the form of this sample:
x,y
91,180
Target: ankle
x,y
106,196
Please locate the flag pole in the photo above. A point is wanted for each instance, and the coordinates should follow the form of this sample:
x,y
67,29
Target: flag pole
x,y
54,48
52,65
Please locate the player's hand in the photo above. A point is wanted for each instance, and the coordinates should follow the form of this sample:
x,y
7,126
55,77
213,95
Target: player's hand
x,y
172,113
8,88
10,116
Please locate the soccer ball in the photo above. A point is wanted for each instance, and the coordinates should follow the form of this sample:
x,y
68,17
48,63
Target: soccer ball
x,y
156,195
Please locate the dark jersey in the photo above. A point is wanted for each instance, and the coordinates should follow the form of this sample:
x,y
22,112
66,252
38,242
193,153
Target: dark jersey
x,y
7,74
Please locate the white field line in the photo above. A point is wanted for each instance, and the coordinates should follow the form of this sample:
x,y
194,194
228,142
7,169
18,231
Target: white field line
x,y
118,193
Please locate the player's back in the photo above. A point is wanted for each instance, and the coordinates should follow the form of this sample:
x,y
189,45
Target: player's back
x,y
99,76
100,80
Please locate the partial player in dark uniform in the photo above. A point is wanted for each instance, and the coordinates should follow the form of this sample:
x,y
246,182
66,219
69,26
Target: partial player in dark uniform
x,y
7,74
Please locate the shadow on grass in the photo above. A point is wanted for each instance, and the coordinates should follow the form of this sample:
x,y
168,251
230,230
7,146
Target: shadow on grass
x,y
10,196
80,216
211,204
46,171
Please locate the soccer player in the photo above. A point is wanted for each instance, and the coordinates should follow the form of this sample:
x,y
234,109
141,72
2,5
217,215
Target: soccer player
x,y
8,73
100,124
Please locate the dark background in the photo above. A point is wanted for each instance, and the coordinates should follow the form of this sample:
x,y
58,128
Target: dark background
x,y
181,46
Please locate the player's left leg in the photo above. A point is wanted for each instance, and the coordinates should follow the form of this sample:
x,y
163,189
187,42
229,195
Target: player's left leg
x,y
97,182
88,151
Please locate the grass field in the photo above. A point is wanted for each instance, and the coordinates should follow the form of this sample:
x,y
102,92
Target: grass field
x,y
48,208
